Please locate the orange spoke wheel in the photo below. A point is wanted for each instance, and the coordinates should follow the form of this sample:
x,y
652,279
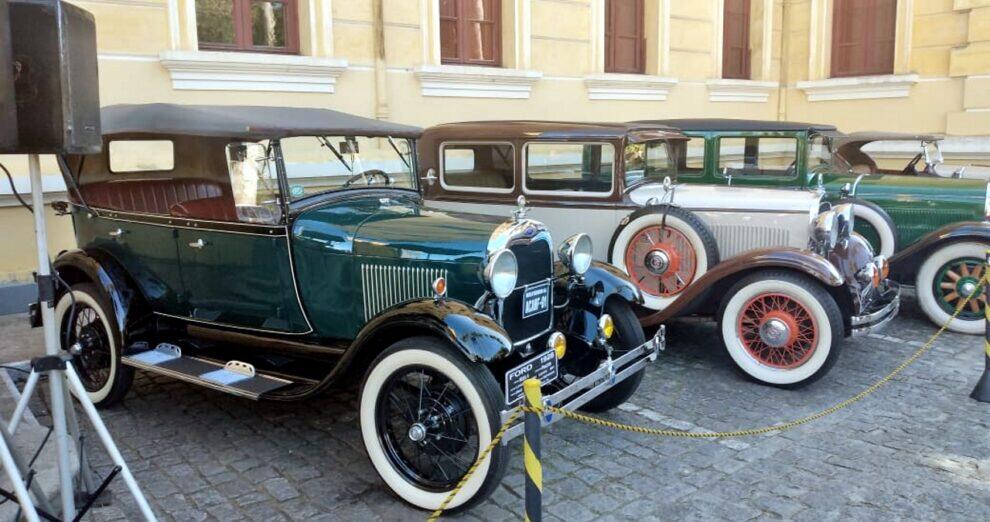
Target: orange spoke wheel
x,y
778,331
661,261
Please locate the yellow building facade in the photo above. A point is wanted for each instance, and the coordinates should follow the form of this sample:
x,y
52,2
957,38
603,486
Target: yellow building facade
x,y
385,59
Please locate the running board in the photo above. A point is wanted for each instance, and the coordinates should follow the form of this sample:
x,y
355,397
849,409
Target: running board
x,y
235,377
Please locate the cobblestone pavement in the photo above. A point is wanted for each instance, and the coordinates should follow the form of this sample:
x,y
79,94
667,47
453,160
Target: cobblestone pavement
x,y
919,449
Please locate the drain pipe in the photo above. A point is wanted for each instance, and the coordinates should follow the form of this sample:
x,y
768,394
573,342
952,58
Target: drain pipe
x,y
784,78
381,74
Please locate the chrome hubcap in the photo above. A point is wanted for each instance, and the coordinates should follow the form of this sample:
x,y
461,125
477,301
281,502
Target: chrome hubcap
x,y
417,432
657,261
775,333
967,288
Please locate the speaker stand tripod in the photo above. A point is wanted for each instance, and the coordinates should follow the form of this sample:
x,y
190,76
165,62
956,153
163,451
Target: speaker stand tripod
x,y
62,379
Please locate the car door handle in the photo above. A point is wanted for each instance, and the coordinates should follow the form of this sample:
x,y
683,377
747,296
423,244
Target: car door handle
x,y
116,234
198,244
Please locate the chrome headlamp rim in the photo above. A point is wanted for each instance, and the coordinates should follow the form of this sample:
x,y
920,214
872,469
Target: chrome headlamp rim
x,y
500,284
845,219
577,253
826,230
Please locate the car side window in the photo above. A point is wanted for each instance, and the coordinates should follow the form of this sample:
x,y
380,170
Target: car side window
x,y
481,167
585,168
758,156
690,156
253,183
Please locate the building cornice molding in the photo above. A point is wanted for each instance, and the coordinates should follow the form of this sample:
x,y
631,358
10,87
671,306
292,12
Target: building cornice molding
x,y
859,88
464,81
235,71
748,91
636,87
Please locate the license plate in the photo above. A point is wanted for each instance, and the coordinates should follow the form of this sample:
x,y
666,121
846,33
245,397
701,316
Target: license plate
x,y
536,299
542,367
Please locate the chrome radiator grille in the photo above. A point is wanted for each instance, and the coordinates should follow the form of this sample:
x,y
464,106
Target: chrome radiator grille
x,y
383,286
735,239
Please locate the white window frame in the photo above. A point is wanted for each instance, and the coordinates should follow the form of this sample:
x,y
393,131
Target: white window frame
x,y
574,193
486,190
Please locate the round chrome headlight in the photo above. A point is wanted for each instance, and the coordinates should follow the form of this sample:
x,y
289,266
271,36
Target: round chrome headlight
x,y
501,273
827,228
845,219
576,253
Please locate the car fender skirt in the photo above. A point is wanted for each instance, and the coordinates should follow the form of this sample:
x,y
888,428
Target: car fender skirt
x,y
904,264
731,269
104,271
476,335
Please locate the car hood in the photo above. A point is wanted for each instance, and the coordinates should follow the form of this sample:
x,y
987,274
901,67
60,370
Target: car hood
x,y
402,228
704,197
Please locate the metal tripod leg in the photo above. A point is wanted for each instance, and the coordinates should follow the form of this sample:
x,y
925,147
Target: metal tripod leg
x,y
22,404
15,469
87,481
79,391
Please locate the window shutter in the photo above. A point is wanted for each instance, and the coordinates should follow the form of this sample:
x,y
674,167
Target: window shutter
x,y
863,34
625,42
471,31
735,40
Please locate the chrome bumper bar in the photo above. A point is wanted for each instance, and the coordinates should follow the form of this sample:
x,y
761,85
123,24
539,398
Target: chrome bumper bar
x,y
609,373
877,320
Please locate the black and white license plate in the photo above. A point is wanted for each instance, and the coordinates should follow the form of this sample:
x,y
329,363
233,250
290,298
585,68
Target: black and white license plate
x,y
542,367
536,299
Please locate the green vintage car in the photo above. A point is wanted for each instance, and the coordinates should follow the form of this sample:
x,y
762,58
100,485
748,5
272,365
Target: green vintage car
x,y
933,229
272,253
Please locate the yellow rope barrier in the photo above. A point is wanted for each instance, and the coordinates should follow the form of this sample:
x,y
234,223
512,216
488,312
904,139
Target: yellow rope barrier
x,y
588,419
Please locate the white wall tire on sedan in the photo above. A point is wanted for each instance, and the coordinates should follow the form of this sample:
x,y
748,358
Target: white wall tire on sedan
x,y
781,328
663,255
417,456
943,279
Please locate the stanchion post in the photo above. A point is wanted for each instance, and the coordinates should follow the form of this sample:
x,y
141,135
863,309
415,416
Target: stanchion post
x,y
982,390
531,451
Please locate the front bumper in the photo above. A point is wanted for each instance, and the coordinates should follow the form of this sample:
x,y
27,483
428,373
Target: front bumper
x,y
882,309
609,373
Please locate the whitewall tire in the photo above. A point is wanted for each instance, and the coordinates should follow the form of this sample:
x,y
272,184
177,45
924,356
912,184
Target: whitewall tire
x,y
664,255
880,221
943,279
392,451
781,328
86,320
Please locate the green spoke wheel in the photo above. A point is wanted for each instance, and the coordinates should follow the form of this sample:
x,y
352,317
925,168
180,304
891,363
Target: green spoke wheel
x,y
957,280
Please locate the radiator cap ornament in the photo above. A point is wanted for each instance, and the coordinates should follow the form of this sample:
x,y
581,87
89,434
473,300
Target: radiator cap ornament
x,y
520,212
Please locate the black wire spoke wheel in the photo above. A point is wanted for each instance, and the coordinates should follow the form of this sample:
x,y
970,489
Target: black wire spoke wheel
x,y
427,427
88,340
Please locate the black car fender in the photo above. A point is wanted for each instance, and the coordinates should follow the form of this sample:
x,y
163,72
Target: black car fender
x,y
904,265
476,335
99,268
585,297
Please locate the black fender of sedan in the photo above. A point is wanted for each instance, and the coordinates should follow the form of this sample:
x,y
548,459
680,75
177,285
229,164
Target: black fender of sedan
x,y
585,297
904,265
702,295
474,334
101,269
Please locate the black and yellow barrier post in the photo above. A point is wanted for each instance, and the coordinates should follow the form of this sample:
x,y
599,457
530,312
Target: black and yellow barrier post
x,y
531,451
982,390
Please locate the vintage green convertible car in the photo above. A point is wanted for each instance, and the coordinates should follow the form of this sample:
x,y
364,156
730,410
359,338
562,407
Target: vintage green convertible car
x,y
273,252
933,229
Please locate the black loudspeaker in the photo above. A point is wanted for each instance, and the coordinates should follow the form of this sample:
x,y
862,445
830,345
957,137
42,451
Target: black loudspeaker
x,y
8,108
56,80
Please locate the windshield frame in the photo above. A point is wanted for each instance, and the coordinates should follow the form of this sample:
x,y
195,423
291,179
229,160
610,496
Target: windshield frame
x,y
672,162
307,199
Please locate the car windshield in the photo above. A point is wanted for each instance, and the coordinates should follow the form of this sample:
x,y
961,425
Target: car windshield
x,y
318,164
648,161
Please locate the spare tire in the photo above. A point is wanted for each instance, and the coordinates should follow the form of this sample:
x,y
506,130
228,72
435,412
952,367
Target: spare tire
x,y
663,249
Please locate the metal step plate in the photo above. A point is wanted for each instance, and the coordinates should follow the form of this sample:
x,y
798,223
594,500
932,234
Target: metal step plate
x,y
235,377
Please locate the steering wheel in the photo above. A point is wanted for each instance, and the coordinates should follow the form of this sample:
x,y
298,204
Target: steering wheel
x,y
369,177
911,166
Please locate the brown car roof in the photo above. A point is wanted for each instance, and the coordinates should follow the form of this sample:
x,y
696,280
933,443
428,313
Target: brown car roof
x,y
740,125
564,130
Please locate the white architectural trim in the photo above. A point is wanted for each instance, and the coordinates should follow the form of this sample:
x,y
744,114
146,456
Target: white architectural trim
x,y
221,71
639,87
740,90
859,88
465,81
